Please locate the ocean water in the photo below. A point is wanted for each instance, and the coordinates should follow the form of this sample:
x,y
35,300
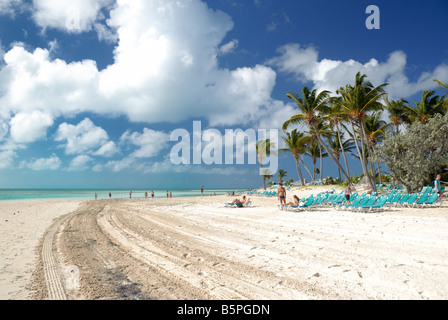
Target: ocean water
x,y
89,194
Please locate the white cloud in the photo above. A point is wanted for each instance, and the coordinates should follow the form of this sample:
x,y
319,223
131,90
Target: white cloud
x,y
29,127
327,74
10,7
165,68
85,137
150,142
71,16
8,153
108,149
51,163
80,163
228,47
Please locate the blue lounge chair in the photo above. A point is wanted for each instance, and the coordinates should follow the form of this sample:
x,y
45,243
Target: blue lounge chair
x,y
422,199
412,198
403,200
431,200
355,202
370,202
248,203
379,204
394,200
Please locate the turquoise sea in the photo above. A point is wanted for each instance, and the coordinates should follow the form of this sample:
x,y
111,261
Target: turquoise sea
x,y
89,194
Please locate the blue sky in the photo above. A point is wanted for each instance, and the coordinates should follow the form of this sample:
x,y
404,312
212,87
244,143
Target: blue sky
x,y
91,90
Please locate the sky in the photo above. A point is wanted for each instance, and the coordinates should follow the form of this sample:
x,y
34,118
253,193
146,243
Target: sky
x,y
91,91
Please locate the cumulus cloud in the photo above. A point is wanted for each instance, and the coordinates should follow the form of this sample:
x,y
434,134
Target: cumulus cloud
x,y
10,7
165,68
303,64
80,163
71,16
149,143
51,163
30,126
84,137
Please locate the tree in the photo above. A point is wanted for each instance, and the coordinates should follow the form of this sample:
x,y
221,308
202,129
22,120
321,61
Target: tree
x,y
375,131
337,149
357,101
281,174
427,107
397,112
264,148
296,143
414,156
314,151
445,97
312,106
335,117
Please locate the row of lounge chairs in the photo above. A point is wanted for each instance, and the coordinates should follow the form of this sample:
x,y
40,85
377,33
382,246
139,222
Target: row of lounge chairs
x,y
364,202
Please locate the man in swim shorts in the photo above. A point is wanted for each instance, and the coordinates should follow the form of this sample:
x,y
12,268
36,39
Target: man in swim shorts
x,y
281,195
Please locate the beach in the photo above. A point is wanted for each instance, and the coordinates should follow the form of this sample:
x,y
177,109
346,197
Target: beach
x,y
196,248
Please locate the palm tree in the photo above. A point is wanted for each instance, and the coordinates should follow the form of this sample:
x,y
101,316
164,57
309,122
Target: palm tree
x,y
375,131
322,130
337,148
445,97
281,174
264,148
311,105
428,107
335,117
314,151
296,143
357,101
397,114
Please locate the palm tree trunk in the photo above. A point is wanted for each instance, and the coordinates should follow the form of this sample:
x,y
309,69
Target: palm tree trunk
x,y
321,160
263,177
343,152
360,154
304,165
332,157
370,179
299,171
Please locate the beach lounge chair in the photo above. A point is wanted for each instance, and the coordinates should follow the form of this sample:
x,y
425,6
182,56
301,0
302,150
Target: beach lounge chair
x,y
422,199
403,200
431,200
355,202
248,203
412,198
378,205
303,205
370,202
394,200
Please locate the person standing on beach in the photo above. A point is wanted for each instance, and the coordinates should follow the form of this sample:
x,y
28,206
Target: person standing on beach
x,y
146,194
130,194
167,194
281,195
96,196
202,191
348,193
110,195
438,186
152,194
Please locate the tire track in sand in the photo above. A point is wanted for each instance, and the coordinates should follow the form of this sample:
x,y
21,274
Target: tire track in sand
x,y
53,278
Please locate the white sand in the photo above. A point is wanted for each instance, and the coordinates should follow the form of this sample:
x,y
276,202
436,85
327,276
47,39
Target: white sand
x,y
19,237
325,254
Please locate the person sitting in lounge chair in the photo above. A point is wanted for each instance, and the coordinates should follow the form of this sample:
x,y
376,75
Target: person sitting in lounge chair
x,y
295,203
239,202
